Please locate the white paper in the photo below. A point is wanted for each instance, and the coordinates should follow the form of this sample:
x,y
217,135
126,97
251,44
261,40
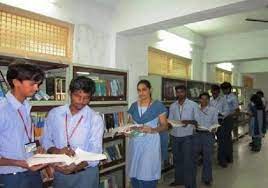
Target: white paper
x,y
80,156
175,123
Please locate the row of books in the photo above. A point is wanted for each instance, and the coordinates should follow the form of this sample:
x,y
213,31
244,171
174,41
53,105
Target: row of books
x,y
2,91
56,88
113,152
109,181
170,91
3,86
113,120
109,88
38,119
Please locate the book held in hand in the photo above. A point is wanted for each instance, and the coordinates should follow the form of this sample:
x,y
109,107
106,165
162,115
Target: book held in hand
x,y
79,157
210,129
175,123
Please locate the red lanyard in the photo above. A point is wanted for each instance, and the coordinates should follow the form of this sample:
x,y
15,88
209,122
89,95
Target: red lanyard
x,y
75,128
25,127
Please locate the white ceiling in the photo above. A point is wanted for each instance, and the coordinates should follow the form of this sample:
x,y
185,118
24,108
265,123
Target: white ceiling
x,y
231,24
108,3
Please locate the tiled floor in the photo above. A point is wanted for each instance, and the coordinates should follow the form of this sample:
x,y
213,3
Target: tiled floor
x,y
249,170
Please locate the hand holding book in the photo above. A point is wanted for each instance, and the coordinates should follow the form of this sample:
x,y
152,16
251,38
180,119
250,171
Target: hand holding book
x,y
212,129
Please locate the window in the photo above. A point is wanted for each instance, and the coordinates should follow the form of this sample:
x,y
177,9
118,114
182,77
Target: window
x,y
223,75
23,33
248,82
166,64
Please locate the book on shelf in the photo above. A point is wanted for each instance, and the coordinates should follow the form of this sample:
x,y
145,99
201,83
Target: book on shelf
x,y
38,120
56,88
2,92
108,88
113,120
113,152
3,86
169,90
40,95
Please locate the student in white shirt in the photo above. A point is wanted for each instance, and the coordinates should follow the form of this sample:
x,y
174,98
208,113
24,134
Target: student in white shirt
x,y
228,122
16,128
72,126
204,139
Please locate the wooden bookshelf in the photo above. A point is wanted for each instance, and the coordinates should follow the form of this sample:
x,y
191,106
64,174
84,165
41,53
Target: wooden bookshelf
x,y
194,89
111,84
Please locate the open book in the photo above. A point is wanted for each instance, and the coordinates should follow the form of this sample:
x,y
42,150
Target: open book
x,y
80,156
126,129
210,129
175,123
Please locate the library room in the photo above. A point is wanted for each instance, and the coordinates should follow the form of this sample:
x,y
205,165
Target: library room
x,y
133,94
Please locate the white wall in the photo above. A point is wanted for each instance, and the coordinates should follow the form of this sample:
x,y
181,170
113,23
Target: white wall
x,y
237,76
93,36
233,47
260,82
131,54
188,34
257,66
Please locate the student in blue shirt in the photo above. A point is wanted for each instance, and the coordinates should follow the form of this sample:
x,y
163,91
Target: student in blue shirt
x,y
228,122
204,139
182,141
144,151
16,128
220,103
73,126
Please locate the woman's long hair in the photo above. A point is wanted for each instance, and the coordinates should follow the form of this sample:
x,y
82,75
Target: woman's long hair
x,y
257,101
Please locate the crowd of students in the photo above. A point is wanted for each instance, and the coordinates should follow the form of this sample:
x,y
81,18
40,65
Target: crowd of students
x,y
76,125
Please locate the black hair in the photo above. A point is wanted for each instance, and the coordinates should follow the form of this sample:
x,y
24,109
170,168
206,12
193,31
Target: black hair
x,y
215,87
21,70
182,87
257,101
146,83
260,93
83,83
204,94
226,85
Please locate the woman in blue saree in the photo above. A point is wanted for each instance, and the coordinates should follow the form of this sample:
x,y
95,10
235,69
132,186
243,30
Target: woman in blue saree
x,y
144,150
257,121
